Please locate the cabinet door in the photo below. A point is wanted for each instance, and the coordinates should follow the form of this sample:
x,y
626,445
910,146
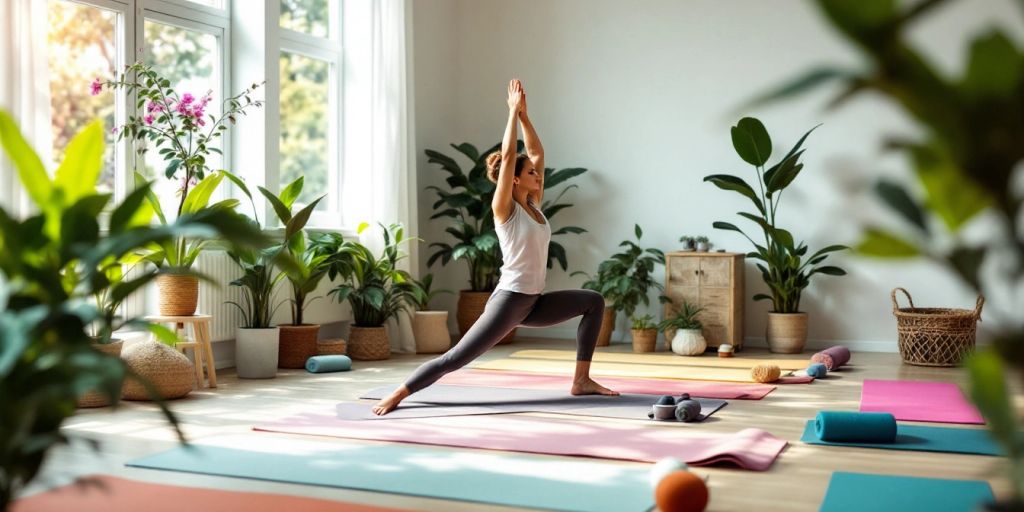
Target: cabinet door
x,y
716,271
716,314
684,270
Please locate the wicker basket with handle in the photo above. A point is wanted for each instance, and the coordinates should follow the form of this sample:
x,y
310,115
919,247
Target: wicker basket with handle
x,y
935,336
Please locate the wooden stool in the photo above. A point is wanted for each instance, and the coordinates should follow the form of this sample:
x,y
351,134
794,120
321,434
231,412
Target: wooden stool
x,y
200,345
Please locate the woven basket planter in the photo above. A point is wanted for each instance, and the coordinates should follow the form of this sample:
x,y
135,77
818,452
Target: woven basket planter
x,y
471,306
333,347
95,398
430,328
604,336
645,340
369,343
168,370
935,336
298,343
179,294
786,333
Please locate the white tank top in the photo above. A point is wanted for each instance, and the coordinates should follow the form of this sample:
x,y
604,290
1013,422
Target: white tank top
x,y
524,249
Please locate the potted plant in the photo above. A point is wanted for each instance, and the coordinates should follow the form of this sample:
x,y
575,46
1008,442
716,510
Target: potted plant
x,y
624,281
645,333
784,267
684,331
430,328
702,244
185,136
467,204
687,242
375,288
51,267
306,267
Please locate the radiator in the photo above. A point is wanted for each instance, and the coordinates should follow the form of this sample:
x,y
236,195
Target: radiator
x,y
215,294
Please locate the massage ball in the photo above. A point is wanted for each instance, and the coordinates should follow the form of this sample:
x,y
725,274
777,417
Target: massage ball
x,y
681,491
687,410
765,373
663,467
666,400
817,370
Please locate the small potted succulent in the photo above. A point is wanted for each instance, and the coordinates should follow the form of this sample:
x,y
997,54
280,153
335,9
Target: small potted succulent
x,y
430,328
702,243
645,333
687,242
684,331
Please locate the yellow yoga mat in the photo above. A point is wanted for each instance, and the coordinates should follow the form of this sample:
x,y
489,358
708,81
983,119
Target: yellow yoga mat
x,y
606,369
671,359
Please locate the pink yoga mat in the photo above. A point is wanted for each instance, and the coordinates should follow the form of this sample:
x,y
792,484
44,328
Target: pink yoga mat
x,y
751,448
524,380
941,402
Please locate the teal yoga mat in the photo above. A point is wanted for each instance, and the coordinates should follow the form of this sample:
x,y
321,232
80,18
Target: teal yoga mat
x,y
924,439
859,492
482,477
329,363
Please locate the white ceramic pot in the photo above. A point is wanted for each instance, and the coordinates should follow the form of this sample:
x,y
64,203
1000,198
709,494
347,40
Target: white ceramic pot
x,y
256,353
689,342
430,328
702,247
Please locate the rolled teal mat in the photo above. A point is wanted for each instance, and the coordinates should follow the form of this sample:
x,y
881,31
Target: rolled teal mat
x,y
332,363
922,439
855,427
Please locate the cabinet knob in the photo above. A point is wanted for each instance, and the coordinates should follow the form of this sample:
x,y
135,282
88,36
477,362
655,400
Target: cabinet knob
x,y
696,272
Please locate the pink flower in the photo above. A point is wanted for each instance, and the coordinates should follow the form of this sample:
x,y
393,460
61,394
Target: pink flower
x,y
154,107
148,119
113,130
96,86
187,98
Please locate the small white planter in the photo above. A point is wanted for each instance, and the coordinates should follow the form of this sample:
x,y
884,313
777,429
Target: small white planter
x,y
430,328
256,353
703,247
689,342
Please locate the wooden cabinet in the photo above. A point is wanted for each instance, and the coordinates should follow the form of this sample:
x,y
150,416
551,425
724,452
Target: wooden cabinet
x,y
713,281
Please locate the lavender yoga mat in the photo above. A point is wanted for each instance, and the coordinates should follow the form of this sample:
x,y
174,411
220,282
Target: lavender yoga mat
x,y
524,380
442,400
940,402
751,448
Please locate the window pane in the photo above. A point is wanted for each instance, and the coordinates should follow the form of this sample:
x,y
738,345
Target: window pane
x,y
217,4
190,60
82,47
304,124
308,16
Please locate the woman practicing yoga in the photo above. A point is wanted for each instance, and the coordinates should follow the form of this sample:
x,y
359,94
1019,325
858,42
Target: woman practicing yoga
x,y
518,300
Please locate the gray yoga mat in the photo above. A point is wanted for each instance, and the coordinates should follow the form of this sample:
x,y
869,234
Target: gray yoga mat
x,y
442,400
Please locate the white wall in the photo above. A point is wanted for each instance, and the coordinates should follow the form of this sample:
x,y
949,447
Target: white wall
x,y
643,94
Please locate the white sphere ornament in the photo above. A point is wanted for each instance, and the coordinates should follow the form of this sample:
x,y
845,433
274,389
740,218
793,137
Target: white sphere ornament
x,y
689,342
663,467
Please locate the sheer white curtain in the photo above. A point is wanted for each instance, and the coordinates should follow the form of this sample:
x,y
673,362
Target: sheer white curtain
x,y
24,87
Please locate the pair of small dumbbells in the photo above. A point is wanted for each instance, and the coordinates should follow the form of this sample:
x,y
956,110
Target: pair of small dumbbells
x,y
670,408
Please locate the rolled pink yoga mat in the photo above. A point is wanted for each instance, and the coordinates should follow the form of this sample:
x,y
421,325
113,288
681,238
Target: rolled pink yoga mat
x,y
941,402
751,448
833,357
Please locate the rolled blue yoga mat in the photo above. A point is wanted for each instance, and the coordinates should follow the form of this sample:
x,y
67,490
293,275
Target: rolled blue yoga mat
x,y
331,363
862,427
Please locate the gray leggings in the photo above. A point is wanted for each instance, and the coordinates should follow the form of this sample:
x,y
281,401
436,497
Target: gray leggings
x,y
507,310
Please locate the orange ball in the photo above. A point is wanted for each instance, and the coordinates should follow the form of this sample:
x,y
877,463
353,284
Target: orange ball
x,y
681,491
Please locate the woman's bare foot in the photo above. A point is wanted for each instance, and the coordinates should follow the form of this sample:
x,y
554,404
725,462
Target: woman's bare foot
x,y
589,387
390,402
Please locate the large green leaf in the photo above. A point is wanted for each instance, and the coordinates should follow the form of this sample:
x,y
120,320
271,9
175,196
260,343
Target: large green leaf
x,y
296,223
778,178
751,141
199,197
728,182
83,160
989,393
995,67
133,211
467,149
284,213
560,176
30,168
949,192
883,244
291,193
899,200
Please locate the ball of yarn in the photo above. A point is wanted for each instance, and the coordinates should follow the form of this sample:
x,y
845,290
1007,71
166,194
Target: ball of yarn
x,y
688,410
681,491
817,370
663,467
765,373
666,400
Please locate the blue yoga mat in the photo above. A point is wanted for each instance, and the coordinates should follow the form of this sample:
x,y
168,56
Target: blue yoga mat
x,y
858,492
329,363
859,427
923,439
483,477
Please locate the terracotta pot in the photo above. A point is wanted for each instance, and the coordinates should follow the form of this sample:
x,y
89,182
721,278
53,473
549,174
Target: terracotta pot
x,y
645,340
297,344
430,328
256,353
94,398
786,332
369,343
604,337
471,306
179,294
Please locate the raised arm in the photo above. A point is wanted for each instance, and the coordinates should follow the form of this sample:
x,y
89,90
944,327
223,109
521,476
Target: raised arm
x,y
534,149
501,204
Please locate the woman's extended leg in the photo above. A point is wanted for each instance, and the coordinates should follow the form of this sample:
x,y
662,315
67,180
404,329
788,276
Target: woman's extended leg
x,y
557,307
503,312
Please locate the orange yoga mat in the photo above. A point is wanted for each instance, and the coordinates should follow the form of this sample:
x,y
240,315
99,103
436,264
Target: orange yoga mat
x,y
121,495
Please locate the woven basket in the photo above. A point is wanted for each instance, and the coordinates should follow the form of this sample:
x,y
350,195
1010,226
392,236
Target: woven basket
x,y
179,294
331,347
369,343
168,370
297,344
645,340
471,306
935,336
96,398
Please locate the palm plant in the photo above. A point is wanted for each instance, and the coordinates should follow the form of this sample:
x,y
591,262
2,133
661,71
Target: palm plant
x,y
684,317
467,202
625,279
783,266
422,292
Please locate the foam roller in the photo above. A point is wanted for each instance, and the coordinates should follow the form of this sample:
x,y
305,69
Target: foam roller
x,y
833,357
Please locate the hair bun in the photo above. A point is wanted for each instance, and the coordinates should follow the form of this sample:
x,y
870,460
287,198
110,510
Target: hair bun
x,y
493,163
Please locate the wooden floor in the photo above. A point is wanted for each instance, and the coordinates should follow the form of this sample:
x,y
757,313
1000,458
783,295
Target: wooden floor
x,y
796,482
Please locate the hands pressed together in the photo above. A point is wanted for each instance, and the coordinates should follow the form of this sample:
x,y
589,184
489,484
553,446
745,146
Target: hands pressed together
x,y
516,97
